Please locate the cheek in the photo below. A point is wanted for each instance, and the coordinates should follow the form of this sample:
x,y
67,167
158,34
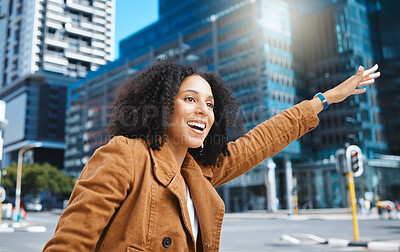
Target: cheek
x,y
211,120
178,114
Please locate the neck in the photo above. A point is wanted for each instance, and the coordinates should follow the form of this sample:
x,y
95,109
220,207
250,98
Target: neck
x,y
179,152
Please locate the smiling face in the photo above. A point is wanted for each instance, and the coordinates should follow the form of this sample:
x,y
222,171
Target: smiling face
x,y
193,113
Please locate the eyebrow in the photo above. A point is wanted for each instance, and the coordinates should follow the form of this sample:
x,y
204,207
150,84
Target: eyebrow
x,y
196,92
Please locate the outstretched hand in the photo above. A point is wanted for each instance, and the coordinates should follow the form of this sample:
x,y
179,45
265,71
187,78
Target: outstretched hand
x,y
351,85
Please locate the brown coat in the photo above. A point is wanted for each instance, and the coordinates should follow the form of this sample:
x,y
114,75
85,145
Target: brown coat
x,y
131,198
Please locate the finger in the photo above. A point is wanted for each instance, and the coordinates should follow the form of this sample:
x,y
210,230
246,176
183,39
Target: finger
x,y
364,83
359,73
375,75
359,91
371,76
371,70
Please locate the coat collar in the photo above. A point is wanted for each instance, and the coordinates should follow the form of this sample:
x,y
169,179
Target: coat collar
x,y
203,194
165,166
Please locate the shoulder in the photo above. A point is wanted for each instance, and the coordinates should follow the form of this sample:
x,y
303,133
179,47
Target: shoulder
x,y
121,148
120,154
123,143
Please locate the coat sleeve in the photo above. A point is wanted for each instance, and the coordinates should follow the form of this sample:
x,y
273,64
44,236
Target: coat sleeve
x,y
264,141
103,185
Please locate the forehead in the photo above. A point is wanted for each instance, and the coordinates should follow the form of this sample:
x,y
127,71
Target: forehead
x,y
197,83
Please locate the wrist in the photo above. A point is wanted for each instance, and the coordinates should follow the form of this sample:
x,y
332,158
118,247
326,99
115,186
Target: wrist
x,y
319,96
317,105
330,96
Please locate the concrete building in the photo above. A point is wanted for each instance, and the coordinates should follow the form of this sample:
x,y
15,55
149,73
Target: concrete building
x,y
44,47
67,37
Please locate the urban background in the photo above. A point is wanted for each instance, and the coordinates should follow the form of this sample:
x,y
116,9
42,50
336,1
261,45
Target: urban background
x,y
58,76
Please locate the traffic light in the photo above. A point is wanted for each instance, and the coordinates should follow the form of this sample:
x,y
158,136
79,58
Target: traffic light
x,y
354,160
341,165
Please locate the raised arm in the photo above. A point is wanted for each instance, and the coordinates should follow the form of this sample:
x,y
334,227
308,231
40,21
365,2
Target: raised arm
x,y
348,87
273,135
102,187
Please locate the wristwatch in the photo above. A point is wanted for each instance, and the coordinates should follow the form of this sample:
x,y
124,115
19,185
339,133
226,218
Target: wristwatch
x,y
323,100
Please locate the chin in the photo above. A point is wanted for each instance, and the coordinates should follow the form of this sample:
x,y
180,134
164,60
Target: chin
x,y
195,145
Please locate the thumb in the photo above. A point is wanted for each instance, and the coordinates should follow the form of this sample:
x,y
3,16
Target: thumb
x,y
359,73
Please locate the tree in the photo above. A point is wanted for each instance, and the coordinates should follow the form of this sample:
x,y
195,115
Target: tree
x,y
38,178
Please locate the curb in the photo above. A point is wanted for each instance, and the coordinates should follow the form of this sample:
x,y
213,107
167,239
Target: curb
x,y
372,245
17,227
301,217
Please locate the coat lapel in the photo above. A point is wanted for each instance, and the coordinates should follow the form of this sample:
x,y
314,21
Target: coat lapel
x,y
209,206
165,167
168,174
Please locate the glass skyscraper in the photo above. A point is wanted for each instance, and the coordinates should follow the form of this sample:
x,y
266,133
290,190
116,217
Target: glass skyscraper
x,y
385,27
332,38
248,43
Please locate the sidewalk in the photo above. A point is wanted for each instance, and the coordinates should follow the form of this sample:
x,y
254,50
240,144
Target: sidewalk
x,y
305,214
323,214
9,226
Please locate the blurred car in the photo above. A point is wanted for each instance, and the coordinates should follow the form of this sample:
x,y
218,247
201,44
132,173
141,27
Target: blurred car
x,y
37,207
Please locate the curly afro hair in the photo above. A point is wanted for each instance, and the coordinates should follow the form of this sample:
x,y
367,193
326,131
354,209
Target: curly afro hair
x,y
144,105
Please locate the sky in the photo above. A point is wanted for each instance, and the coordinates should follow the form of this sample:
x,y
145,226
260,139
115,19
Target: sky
x,y
131,16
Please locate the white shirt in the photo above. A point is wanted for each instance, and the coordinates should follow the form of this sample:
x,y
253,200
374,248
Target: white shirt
x,y
192,214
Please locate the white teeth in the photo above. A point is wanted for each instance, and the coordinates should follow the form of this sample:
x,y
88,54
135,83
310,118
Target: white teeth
x,y
199,125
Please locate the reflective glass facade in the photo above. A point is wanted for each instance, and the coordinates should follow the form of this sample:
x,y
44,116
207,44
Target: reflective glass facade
x,y
385,27
332,39
273,54
248,44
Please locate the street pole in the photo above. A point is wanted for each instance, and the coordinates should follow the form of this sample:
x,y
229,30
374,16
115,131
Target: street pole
x,y
3,124
352,192
19,175
295,198
270,185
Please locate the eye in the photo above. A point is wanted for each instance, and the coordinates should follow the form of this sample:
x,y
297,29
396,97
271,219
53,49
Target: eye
x,y
189,99
210,105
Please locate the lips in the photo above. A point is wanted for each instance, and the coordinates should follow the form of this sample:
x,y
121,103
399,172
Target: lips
x,y
197,126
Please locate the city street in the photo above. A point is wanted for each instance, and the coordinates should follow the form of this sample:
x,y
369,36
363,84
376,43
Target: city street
x,y
245,232
263,232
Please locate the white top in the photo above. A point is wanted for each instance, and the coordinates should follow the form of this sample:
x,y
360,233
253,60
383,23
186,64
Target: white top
x,y
192,214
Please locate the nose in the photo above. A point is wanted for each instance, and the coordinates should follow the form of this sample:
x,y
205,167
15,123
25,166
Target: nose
x,y
202,108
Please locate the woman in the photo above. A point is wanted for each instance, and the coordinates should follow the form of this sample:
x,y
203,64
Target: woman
x,y
151,188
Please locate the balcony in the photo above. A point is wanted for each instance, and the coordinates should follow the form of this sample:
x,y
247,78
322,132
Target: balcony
x,y
69,28
54,25
98,53
98,61
100,5
86,25
56,41
77,56
100,21
55,58
99,37
57,1
80,5
98,44
54,68
60,18
55,8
